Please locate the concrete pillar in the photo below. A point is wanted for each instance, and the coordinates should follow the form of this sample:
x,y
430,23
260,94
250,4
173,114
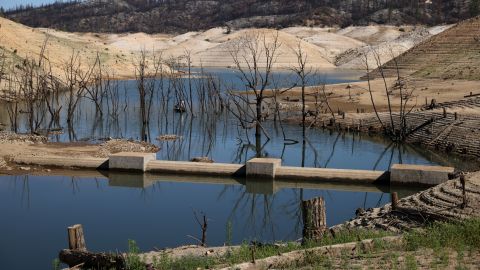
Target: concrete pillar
x,y
419,174
263,167
130,161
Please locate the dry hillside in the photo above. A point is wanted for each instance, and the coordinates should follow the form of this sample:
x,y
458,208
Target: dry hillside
x,y
326,48
452,54
20,42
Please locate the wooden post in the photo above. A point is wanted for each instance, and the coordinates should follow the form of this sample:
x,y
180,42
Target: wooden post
x,y
464,194
444,112
394,198
76,239
456,116
314,219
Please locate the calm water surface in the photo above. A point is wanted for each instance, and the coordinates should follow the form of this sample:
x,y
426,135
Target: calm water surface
x,y
156,213
159,212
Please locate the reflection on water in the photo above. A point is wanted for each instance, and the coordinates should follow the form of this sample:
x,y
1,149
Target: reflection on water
x,y
219,136
157,211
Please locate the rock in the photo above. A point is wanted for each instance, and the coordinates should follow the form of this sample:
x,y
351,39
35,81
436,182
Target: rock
x,y
359,212
168,137
25,168
202,159
3,163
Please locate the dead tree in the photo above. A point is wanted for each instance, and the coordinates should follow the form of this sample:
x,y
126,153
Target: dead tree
x,y
203,226
97,89
145,74
395,132
254,56
303,73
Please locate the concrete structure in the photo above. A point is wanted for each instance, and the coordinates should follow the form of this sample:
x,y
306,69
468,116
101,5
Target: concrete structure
x,y
130,161
253,171
334,175
196,168
419,174
84,163
263,167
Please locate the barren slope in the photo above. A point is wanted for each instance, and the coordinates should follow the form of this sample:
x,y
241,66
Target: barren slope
x,y
20,42
220,55
452,54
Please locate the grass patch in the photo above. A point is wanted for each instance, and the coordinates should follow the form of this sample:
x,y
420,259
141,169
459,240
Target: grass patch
x,y
439,235
244,252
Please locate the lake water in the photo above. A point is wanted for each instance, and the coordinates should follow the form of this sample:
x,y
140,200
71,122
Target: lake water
x,y
159,212
219,135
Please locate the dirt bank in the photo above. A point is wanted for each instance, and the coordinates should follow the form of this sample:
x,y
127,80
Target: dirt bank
x,y
15,145
348,97
451,125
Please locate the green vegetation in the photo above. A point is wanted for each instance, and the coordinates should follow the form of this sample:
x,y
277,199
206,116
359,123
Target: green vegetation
x,y
244,252
133,260
457,236
436,246
432,248
56,264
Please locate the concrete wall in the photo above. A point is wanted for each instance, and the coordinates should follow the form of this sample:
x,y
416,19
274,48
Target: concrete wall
x,y
419,174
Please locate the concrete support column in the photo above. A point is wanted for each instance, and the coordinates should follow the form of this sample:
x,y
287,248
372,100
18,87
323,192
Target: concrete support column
x,y
419,174
130,161
263,167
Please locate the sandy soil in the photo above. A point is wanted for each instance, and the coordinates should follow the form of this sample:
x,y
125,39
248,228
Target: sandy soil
x,y
349,97
14,145
21,42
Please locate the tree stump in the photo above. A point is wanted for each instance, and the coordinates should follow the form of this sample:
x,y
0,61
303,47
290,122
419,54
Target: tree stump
x,y
76,239
314,219
394,197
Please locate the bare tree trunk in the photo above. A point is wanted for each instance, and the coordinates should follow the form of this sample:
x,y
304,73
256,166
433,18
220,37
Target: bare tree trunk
x,y
314,219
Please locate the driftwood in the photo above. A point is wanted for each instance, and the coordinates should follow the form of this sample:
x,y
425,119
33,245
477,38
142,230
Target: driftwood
x,y
90,260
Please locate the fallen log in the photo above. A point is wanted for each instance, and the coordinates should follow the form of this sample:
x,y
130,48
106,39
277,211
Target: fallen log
x,y
90,260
